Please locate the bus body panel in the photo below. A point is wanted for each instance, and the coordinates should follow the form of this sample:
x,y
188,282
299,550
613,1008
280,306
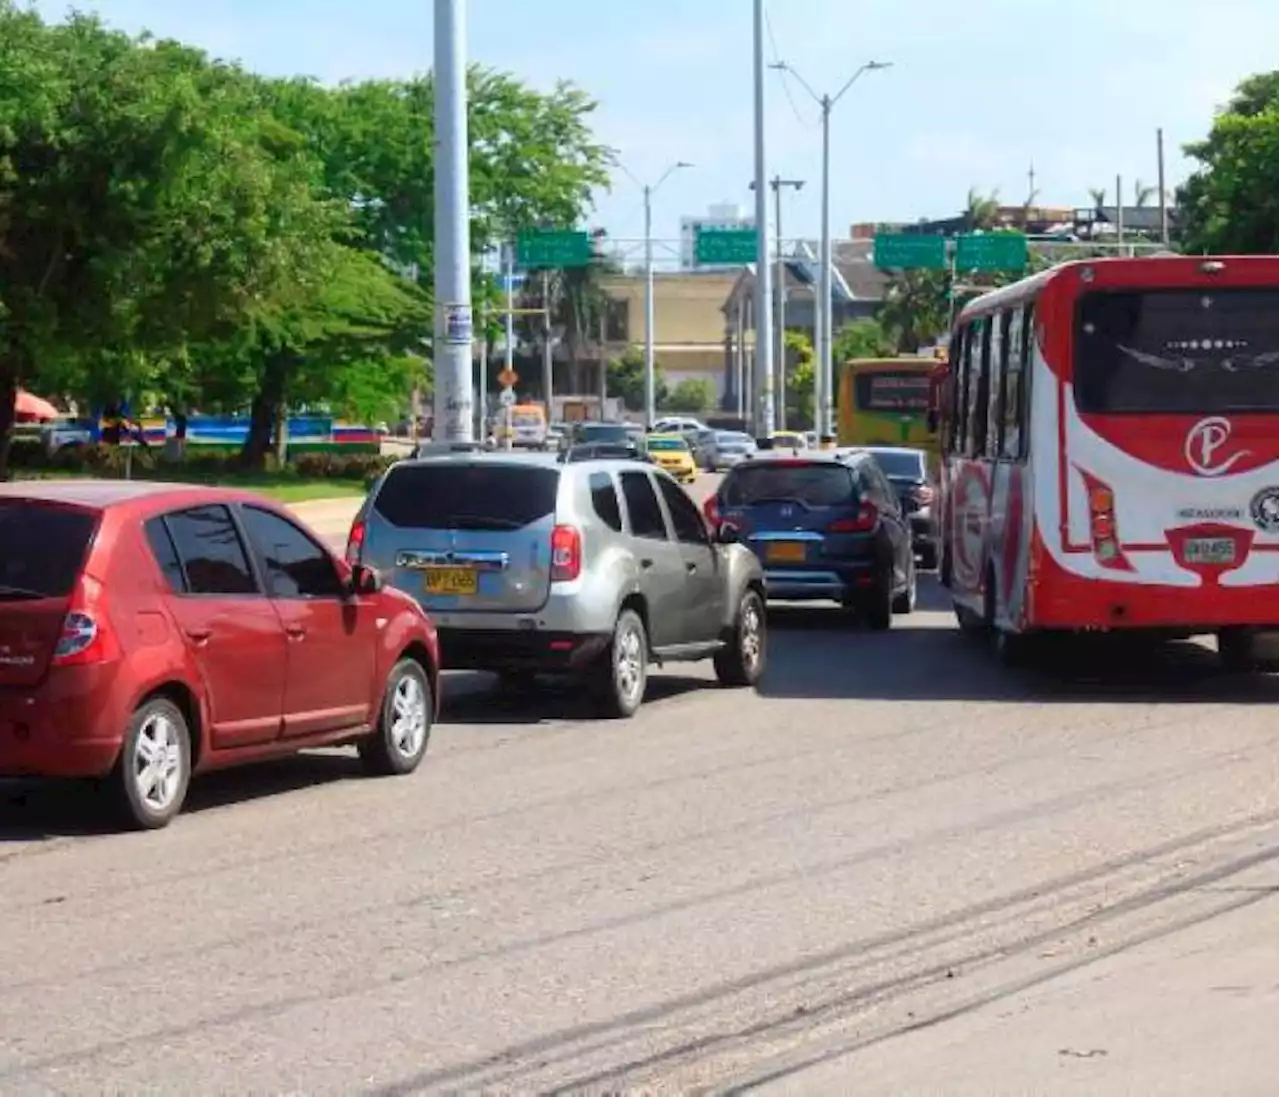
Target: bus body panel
x,y
885,401
1111,521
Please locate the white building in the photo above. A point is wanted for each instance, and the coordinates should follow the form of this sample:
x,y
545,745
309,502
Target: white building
x,y
725,215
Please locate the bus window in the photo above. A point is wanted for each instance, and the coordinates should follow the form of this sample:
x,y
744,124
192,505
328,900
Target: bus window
x,y
1011,410
953,440
995,383
979,376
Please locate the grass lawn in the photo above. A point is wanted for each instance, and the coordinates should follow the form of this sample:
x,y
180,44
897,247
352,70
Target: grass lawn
x,y
285,488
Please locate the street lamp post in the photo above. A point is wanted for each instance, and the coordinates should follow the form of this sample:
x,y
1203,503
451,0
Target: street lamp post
x,y
776,184
650,414
823,376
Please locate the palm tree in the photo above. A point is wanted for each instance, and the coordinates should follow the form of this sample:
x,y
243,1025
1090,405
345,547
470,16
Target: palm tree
x,y
1142,194
982,211
1099,196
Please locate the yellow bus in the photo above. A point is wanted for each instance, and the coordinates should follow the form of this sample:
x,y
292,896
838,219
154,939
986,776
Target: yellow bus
x,y
885,402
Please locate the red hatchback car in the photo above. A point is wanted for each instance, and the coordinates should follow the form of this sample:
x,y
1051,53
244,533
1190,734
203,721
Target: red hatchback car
x,y
152,631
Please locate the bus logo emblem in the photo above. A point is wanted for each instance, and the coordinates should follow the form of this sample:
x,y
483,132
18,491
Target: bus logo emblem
x,y
1204,440
1264,509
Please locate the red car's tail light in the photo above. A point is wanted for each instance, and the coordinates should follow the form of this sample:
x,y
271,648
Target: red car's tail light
x,y
566,554
355,542
864,522
711,511
86,636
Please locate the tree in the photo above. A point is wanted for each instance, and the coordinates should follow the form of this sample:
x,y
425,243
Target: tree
x,y
626,380
981,211
142,205
1229,205
862,339
800,378
915,307
693,395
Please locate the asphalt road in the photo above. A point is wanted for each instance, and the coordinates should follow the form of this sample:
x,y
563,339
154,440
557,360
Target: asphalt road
x,y
898,869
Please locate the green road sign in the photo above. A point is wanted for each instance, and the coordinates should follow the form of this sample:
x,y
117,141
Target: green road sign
x,y
909,252
553,249
725,246
991,251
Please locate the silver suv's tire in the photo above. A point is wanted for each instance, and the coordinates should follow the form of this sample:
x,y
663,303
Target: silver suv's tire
x,y
742,661
622,672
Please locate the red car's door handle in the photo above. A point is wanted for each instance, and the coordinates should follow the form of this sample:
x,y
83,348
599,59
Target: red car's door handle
x,y
295,632
199,635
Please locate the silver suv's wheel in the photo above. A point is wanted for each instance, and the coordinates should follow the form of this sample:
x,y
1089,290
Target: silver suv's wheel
x,y
741,662
622,673
155,764
404,726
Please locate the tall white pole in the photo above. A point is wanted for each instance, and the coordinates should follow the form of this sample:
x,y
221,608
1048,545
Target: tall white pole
x,y
782,304
764,289
454,411
650,385
1164,203
822,376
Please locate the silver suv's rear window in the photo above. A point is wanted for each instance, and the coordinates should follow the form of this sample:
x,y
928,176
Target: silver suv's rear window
x,y
41,548
456,495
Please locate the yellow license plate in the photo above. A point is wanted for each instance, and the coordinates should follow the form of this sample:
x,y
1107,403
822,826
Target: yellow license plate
x,y
785,552
450,581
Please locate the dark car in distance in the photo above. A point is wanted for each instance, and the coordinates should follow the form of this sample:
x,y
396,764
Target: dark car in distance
x,y
908,472
826,527
149,632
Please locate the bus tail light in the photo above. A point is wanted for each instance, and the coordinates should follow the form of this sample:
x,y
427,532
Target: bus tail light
x,y
1104,532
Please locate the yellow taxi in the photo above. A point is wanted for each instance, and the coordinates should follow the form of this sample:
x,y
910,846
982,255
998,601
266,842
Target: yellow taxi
x,y
672,453
789,439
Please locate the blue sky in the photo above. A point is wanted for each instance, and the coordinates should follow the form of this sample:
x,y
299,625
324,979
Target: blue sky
x,y
978,91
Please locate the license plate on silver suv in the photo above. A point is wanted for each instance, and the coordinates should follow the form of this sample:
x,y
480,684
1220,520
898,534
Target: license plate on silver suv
x,y
1211,550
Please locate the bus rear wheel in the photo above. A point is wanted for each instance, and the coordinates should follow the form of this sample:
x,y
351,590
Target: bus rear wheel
x,y
1244,651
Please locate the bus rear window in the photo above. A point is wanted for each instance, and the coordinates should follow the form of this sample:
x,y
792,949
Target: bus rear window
x,y
1176,352
901,391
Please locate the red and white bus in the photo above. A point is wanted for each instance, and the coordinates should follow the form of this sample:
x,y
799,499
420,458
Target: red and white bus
x,y
1109,452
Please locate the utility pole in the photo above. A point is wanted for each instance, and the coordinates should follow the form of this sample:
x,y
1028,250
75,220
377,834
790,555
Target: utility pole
x,y
548,362
650,385
1164,204
1119,217
776,184
454,331
823,378
763,372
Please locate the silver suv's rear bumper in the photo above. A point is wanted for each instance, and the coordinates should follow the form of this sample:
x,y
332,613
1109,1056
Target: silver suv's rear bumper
x,y
566,633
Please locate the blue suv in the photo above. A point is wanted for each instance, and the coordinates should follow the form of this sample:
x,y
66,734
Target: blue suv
x,y
826,527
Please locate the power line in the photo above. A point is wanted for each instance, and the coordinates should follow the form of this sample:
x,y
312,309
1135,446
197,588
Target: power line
x,y
782,75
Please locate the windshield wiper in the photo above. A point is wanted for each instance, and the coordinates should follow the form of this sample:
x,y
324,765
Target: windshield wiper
x,y
7,591
481,521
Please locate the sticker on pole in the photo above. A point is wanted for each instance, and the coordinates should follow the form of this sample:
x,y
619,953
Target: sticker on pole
x,y
508,377
507,398
457,325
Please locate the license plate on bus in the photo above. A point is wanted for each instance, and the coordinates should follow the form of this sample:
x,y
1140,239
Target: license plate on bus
x,y
784,552
1211,550
450,581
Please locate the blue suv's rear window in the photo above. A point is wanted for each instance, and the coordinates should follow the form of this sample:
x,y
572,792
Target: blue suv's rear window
x,y
815,485
456,495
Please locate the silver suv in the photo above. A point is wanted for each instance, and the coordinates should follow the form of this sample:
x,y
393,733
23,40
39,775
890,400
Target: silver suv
x,y
530,564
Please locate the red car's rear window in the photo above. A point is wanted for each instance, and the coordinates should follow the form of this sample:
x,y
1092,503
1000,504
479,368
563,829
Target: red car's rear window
x,y
42,548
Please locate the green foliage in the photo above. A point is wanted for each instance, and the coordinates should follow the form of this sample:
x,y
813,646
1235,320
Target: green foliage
x,y
693,394
626,380
177,228
197,465
800,379
915,307
1229,205
862,339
